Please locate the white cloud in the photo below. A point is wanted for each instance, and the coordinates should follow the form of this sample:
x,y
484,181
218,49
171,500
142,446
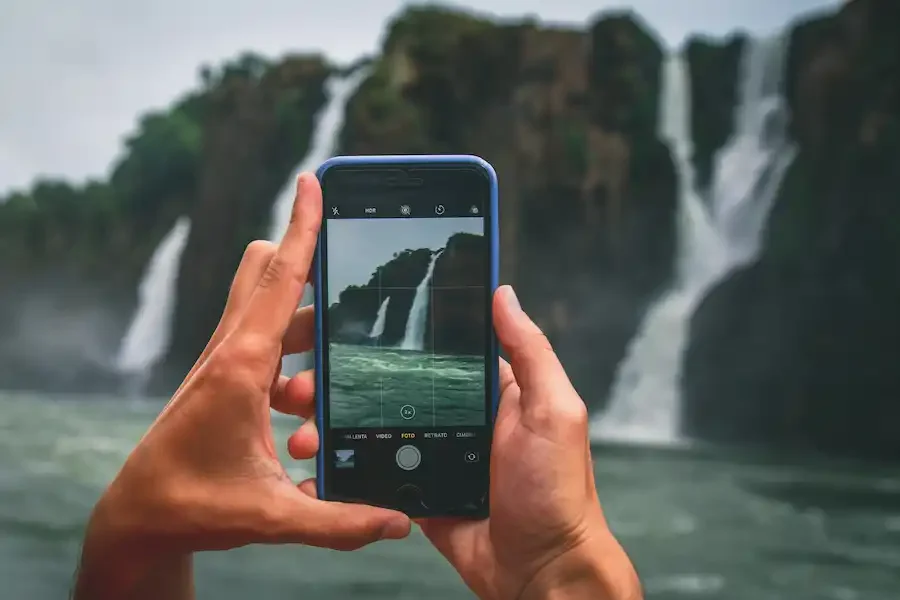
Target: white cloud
x,y
75,75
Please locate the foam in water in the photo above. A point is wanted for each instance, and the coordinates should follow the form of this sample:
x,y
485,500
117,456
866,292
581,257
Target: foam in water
x,y
148,336
322,147
378,326
645,397
414,336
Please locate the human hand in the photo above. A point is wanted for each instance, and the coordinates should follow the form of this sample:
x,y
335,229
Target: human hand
x,y
546,536
206,476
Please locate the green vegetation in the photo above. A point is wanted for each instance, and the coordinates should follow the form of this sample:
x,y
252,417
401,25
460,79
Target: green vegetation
x,y
440,69
112,226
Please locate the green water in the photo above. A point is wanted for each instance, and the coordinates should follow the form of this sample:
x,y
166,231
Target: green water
x,y
707,524
388,387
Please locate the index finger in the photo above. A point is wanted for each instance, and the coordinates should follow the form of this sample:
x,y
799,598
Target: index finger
x,y
280,289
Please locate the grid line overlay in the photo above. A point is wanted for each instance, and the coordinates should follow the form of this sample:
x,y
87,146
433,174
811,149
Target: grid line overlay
x,y
378,345
430,308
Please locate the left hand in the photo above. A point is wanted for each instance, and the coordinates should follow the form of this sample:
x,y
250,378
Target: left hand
x,y
206,475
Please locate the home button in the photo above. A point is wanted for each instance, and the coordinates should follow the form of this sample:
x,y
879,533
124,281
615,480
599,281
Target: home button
x,y
409,496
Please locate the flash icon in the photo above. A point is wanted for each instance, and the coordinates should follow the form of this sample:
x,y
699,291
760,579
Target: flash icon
x,y
404,210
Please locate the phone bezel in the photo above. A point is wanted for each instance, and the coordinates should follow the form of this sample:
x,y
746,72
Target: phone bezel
x,y
492,231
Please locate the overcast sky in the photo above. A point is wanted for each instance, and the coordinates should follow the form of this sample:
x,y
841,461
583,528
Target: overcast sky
x,y
74,75
356,247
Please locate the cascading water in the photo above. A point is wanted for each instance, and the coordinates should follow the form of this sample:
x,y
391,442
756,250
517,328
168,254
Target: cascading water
x,y
380,318
149,333
644,402
414,336
322,145
749,170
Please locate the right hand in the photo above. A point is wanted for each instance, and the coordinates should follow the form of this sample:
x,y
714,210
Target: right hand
x,y
546,535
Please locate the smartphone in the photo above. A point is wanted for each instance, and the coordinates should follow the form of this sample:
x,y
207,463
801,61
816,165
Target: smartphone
x,y
406,357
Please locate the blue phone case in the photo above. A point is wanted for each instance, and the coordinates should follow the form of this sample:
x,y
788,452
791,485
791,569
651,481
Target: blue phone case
x,y
424,159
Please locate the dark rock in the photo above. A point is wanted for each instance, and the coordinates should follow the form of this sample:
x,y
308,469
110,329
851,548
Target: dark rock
x,y
801,349
218,155
568,118
257,128
351,318
456,323
715,68
457,295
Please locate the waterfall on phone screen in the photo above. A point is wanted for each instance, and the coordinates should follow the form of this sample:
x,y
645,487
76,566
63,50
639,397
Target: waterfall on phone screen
x,y
380,318
414,336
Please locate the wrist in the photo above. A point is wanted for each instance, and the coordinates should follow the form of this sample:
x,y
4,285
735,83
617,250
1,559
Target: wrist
x,y
591,571
117,562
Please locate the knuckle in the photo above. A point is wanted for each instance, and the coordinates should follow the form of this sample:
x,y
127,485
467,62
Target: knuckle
x,y
238,363
535,347
574,413
259,249
539,343
305,221
281,269
274,272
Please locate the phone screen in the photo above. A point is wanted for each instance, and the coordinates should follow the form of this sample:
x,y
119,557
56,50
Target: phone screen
x,y
405,261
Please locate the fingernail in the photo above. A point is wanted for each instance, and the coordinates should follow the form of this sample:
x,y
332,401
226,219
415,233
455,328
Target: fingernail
x,y
395,529
512,301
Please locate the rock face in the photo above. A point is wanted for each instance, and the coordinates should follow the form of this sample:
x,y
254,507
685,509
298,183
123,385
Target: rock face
x,y
257,128
455,315
714,95
458,297
801,349
568,118
71,257
351,318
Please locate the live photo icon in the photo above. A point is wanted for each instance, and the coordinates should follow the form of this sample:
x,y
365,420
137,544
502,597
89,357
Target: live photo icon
x,y
344,459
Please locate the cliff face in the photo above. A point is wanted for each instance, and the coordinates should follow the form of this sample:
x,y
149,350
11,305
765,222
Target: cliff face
x,y
458,296
71,257
454,321
797,349
351,318
715,72
568,118
257,128
801,348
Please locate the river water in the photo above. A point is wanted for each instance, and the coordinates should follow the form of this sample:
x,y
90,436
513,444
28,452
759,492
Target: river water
x,y
698,523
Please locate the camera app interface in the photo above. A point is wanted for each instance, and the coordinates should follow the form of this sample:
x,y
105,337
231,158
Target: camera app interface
x,y
406,295
406,330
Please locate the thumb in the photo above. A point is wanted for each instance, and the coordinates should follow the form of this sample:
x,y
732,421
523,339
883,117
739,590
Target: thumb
x,y
339,526
535,366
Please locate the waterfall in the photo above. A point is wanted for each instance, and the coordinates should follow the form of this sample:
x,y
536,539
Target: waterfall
x,y
414,336
149,333
749,170
645,396
378,327
322,146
